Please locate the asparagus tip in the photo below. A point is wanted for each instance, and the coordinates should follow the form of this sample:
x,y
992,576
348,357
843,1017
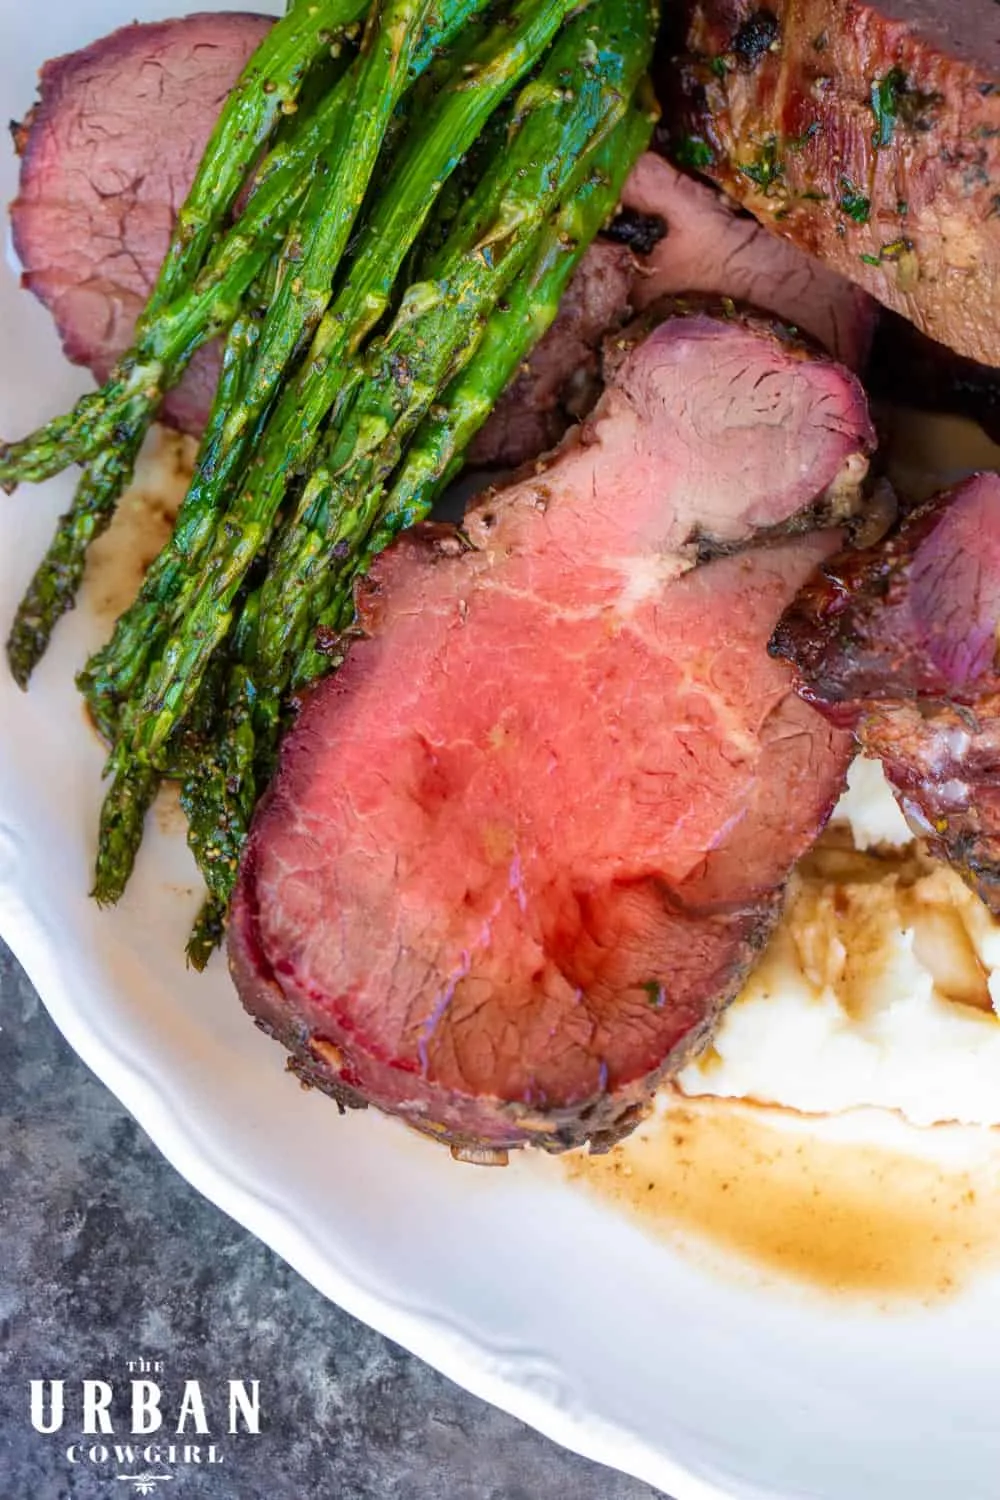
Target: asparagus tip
x,y
22,656
206,934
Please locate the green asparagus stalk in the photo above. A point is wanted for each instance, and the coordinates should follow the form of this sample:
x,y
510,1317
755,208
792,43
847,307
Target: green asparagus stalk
x,y
327,217
123,815
100,691
219,787
53,588
133,786
120,663
266,90
204,609
272,205
55,583
318,239
512,332
219,792
209,925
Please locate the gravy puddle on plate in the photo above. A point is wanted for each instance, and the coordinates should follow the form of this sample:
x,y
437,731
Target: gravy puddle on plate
x,y
842,1214
818,1138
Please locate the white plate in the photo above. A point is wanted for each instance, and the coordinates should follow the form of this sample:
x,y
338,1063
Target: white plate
x,y
530,1293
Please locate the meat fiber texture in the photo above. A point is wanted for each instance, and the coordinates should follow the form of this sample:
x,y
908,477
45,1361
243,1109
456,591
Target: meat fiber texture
x,y
868,134
706,246
522,848
901,641
108,155
711,247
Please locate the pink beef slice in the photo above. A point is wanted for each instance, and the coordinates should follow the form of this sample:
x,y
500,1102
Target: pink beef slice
x,y
900,641
108,154
710,246
522,848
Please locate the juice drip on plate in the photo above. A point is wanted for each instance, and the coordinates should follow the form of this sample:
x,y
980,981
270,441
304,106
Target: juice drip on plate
x,y
823,1206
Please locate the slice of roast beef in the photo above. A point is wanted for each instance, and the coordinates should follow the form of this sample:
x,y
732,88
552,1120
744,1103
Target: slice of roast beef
x,y
710,246
522,848
686,238
867,133
901,641
108,154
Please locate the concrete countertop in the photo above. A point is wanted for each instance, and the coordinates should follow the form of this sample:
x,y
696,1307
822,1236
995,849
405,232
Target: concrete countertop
x,y
107,1255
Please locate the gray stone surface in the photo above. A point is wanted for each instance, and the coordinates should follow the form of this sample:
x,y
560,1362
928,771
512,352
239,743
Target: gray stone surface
x,y
107,1254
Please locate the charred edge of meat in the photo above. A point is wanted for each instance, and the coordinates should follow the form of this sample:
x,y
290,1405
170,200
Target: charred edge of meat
x,y
969,852
20,130
758,35
867,512
828,510
620,345
638,231
599,1125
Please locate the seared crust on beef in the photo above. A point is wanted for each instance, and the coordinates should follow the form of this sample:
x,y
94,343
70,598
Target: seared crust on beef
x,y
900,640
867,133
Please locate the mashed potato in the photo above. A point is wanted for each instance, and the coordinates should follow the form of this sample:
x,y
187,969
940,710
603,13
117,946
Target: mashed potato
x,y
879,987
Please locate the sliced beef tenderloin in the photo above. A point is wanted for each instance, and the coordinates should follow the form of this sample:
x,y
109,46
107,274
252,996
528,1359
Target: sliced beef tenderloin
x,y
710,246
107,156
867,133
901,641
522,848
684,237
